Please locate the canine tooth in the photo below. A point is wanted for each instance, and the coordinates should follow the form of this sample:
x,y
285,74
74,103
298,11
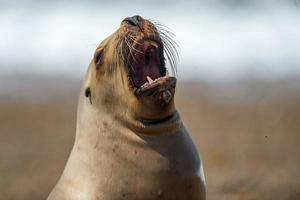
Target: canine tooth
x,y
154,44
149,80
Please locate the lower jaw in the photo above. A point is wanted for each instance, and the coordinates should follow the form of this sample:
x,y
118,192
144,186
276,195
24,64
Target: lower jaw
x,y
155,101
159,85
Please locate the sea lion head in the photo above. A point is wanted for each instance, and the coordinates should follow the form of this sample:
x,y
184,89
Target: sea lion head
x,y
128,74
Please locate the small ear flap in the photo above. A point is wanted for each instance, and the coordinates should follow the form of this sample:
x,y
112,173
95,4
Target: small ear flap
x,y
88,94
87,84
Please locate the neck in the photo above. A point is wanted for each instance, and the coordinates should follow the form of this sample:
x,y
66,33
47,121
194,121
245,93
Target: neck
x,y
94,121
151,127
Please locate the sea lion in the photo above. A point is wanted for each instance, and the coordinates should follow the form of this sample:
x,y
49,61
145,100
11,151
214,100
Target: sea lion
x,y
130,141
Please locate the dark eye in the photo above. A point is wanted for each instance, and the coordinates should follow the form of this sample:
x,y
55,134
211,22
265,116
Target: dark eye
x,y
98,58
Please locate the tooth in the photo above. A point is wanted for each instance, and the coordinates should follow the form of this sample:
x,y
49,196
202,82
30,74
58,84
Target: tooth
x,y
154,44
149,80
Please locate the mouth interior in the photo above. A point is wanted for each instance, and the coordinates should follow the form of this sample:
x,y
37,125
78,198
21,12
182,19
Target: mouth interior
x,y
148,63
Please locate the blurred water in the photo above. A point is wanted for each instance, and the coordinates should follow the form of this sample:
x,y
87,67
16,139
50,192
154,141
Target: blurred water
x,y
218,39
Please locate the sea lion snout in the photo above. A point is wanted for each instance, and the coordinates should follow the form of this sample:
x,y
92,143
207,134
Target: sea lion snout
x,y
147,46
135,20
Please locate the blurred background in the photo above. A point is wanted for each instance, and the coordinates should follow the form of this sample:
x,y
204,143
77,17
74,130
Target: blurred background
x,y
238,89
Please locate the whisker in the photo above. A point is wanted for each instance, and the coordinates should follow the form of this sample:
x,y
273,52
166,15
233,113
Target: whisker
x,y
164,28
129,42
130,52
132,46
169,44
172,41
171,59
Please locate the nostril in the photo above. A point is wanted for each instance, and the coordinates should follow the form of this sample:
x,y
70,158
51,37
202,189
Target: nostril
x,y
138,18
130,21
135,20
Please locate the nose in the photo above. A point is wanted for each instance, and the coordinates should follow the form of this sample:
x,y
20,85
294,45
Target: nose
x,y
135,20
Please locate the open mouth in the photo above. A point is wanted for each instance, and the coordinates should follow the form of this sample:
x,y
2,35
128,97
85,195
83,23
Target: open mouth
x,y
147,63
147,72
